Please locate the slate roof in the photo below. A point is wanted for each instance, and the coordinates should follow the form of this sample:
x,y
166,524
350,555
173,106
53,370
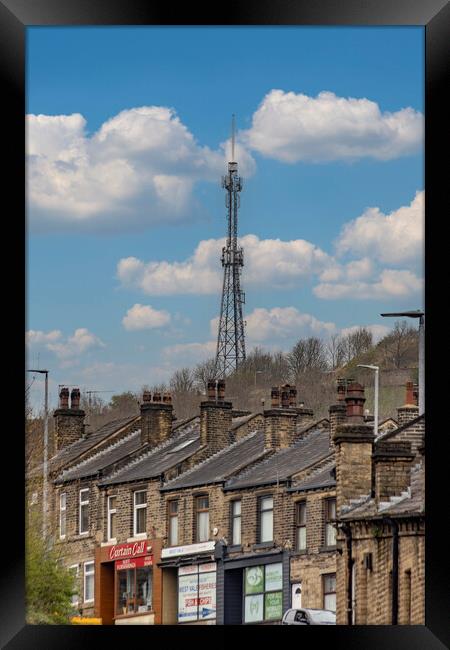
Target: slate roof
x,y
411,501
284,463
103,459
242,419
220,466
322,478
388,434
154,462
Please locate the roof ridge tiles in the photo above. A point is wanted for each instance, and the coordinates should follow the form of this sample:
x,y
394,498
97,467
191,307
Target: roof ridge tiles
x,y
103,451
209,458
146,454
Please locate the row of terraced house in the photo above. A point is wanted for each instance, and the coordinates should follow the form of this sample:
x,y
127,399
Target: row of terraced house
x,y
233,517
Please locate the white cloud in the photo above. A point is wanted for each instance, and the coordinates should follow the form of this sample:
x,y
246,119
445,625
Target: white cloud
x,y
394,238
390,284
36,337
291,127
284,322
137,170
270,262
189,353
141,317
81,341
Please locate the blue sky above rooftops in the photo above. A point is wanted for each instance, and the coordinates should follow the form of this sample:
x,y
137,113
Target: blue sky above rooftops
x,y
127,137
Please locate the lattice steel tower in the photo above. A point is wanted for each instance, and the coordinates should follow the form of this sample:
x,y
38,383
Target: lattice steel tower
x,y
231,340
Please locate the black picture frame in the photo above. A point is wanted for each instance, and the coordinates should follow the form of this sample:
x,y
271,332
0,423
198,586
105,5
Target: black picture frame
x,y
434,16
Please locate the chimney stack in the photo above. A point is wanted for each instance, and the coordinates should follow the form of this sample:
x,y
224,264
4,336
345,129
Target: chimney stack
x,y
280,420
156,418
69,422
353,441
215,419
393,462
337,413
410,409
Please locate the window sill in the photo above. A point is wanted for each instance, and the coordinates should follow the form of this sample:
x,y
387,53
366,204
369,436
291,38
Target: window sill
x,y
235,548
109,542
327,549
133,614
263,545
137,538
303,551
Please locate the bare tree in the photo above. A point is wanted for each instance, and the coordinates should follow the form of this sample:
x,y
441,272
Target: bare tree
x,y
204,372
307,355
400,345
336,352
356,343
182,381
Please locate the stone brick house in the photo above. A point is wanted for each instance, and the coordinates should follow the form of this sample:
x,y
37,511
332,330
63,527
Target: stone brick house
x,y
380,517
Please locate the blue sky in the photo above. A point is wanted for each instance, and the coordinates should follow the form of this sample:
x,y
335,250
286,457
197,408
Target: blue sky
x,y
126,139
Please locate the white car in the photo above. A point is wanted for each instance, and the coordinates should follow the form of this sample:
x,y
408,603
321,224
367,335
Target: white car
x,y
306,616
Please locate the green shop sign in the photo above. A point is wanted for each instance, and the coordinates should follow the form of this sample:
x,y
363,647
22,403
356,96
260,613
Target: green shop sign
x,y
254,580
273,605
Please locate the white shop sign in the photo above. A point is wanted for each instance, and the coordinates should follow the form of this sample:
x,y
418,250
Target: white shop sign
x,y
197,592
201,547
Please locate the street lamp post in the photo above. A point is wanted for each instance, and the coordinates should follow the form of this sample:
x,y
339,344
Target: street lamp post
x,y
421,316
375,397
44,487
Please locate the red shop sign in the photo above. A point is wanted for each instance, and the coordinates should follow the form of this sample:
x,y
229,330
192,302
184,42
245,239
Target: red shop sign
x,y
134,563
123,551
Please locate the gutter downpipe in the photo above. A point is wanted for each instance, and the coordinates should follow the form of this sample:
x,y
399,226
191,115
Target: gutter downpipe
x,y
394,526
348,542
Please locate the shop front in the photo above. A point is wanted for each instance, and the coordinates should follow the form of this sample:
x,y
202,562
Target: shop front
x,y
256,589
128,583
189,578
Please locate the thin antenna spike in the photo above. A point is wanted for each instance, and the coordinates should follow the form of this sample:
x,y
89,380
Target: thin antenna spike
x,y
233,130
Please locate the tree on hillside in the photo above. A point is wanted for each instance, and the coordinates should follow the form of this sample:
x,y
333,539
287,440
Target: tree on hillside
x,y
182,381
335,351
204,372
124,404
307,355
356,343
49,585
400,345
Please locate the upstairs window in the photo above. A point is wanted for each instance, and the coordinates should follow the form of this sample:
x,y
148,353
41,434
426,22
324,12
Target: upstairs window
x,y
266,519
300,525
202,515
173,522
236,523
62,515
330,515
112,517
83,523
140,512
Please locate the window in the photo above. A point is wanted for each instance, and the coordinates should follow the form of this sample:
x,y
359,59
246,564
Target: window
x,y
263,596
236,522
197,592
329,591
84,511
75,569
88,582
202,514
330,514
62,515
300,525
140,512
266,519
134,590
112,517
173,522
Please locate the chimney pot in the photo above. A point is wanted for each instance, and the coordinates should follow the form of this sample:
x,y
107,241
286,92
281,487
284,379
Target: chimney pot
x,y
285,401
355,400
221,390
211,391
64,398
167,398
75,399
146,396
275,397
156,397
292,396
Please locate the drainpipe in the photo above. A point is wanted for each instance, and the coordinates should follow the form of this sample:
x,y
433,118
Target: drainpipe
x,y
394,526
348,543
